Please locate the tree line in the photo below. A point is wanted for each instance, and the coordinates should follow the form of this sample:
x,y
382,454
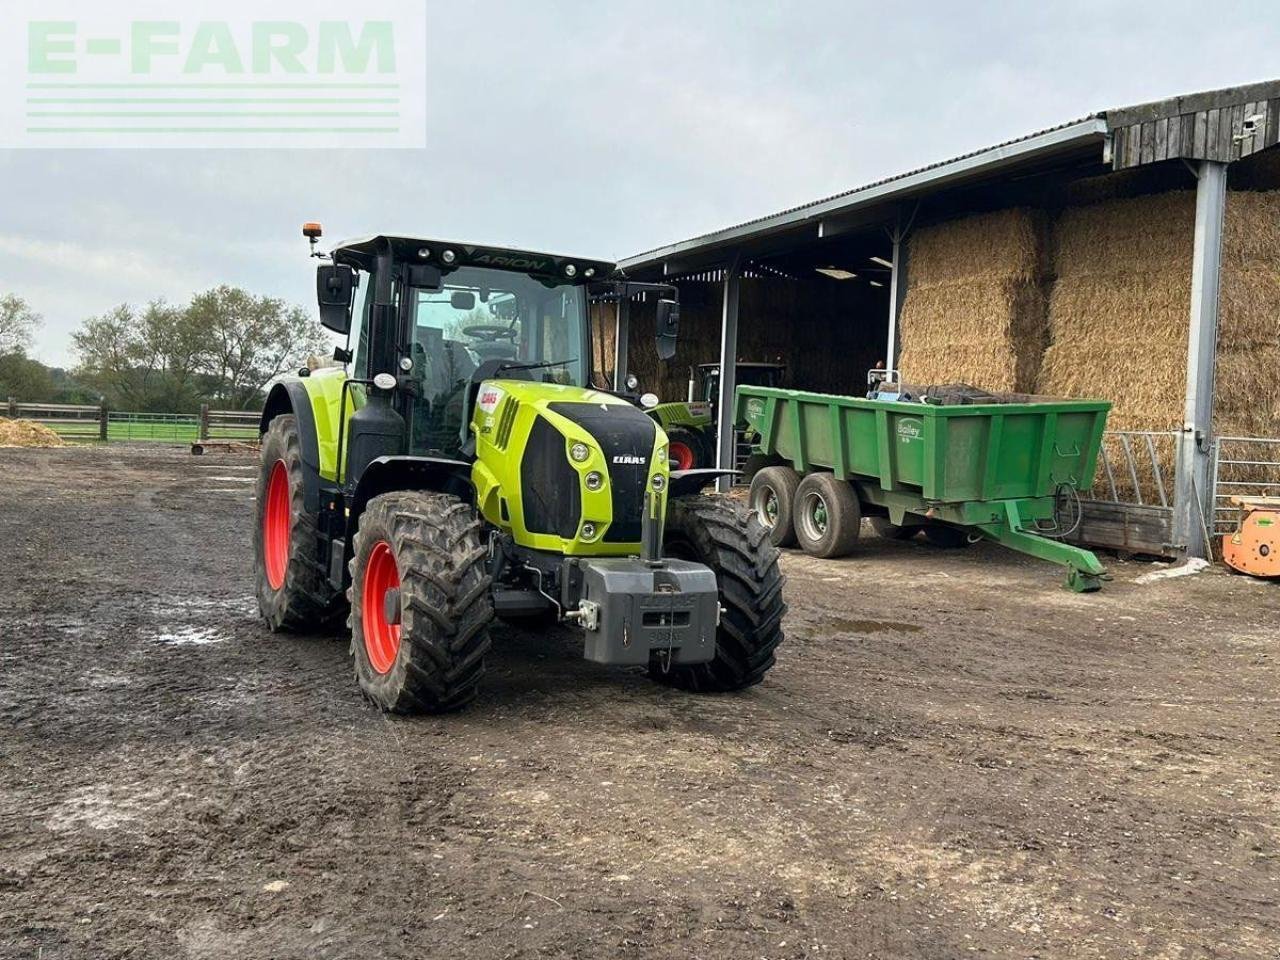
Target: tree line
x,y
222,348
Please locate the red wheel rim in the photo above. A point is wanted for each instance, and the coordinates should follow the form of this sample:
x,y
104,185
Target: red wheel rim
x,y
276,521
381,638
682,454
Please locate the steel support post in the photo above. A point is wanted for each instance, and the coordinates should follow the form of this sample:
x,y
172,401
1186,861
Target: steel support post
x,y
726,441
897,293
1195,447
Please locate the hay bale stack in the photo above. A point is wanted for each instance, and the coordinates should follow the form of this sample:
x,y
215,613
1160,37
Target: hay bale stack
x,y
974,310
1247,375
1119,305
27,433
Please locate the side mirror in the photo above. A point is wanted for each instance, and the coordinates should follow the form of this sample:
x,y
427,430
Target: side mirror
x,y
668,328
335,284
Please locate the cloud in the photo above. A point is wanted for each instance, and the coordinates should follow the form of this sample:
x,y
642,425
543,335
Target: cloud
x,y
604,130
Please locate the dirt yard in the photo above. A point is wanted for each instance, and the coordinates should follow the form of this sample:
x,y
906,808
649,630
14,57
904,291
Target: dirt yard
x,y
953,756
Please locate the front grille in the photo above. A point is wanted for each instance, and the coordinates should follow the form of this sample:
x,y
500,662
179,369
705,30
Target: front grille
x,y
622,431
503,435
549,484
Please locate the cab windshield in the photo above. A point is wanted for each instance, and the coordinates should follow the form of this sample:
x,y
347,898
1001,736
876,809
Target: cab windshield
x,y
480,314
520,326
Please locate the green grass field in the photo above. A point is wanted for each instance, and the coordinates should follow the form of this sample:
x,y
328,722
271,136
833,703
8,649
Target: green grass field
x,y
165,431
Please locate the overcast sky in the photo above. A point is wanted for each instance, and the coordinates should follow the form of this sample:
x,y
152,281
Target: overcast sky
x,y
604,129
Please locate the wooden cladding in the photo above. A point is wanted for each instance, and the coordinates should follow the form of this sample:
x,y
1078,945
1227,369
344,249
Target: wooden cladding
x,y
1225,125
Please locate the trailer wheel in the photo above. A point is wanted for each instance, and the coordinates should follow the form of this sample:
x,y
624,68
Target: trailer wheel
x,y
721,534
889,530
772,498
420,602
292,583
828,517
946,537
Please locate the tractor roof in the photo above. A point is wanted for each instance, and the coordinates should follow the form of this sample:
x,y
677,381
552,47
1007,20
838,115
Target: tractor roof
x,y
361,252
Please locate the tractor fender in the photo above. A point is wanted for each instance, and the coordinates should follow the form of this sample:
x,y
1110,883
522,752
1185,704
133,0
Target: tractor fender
x,y
386,474
290,396
686,482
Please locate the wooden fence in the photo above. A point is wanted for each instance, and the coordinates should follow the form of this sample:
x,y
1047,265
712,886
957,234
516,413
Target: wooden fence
x,y
90,422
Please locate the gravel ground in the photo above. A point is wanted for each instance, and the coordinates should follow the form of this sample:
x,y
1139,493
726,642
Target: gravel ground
x,y
953,756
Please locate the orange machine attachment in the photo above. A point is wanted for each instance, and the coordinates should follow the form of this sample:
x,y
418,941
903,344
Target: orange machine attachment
x,y
1255,546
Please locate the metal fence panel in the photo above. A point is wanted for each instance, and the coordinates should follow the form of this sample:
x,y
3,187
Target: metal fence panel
x,y
1242,467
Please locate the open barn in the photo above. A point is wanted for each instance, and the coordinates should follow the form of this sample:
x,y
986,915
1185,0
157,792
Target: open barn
x,y
1132,255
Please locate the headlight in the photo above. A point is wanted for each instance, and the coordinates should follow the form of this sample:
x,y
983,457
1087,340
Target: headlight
x,y
570,270
579,452
659,482
594,480
632,382
448,256
649,401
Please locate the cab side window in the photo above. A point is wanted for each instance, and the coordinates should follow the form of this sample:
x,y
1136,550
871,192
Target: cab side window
x,y
360,317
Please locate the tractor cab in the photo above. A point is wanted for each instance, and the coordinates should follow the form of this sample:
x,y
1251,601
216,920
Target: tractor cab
x,y
441,317
745,375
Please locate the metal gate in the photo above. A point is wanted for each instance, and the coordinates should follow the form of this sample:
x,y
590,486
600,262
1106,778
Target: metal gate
x,y
1242,467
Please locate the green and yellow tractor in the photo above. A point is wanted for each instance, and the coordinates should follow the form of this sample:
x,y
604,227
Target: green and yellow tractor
x,y
463,468
690,425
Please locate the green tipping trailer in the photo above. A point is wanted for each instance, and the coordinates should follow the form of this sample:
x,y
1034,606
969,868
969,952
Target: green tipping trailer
x,y
999,470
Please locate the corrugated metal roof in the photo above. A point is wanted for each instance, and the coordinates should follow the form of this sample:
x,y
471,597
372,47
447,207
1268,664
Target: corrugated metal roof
x,y
1095,127
1092,124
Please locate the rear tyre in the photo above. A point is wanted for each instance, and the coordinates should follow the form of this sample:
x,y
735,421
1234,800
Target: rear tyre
x,y
420,602
292,582
887,530
772,498
724,536
946,537
828,517
686,448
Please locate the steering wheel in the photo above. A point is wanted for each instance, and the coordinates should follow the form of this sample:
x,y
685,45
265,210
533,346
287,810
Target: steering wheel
x,y
489,333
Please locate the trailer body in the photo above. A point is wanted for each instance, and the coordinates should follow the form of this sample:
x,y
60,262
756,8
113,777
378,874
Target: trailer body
x,y
1000,470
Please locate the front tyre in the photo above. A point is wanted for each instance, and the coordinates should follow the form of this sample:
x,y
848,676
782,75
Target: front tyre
x,y
724,536
292,584
420,602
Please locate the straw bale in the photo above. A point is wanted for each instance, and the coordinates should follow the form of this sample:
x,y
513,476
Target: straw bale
x,y
974,310
1251,230
1247,374
1247,392
27,433
1133,235
1006,243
